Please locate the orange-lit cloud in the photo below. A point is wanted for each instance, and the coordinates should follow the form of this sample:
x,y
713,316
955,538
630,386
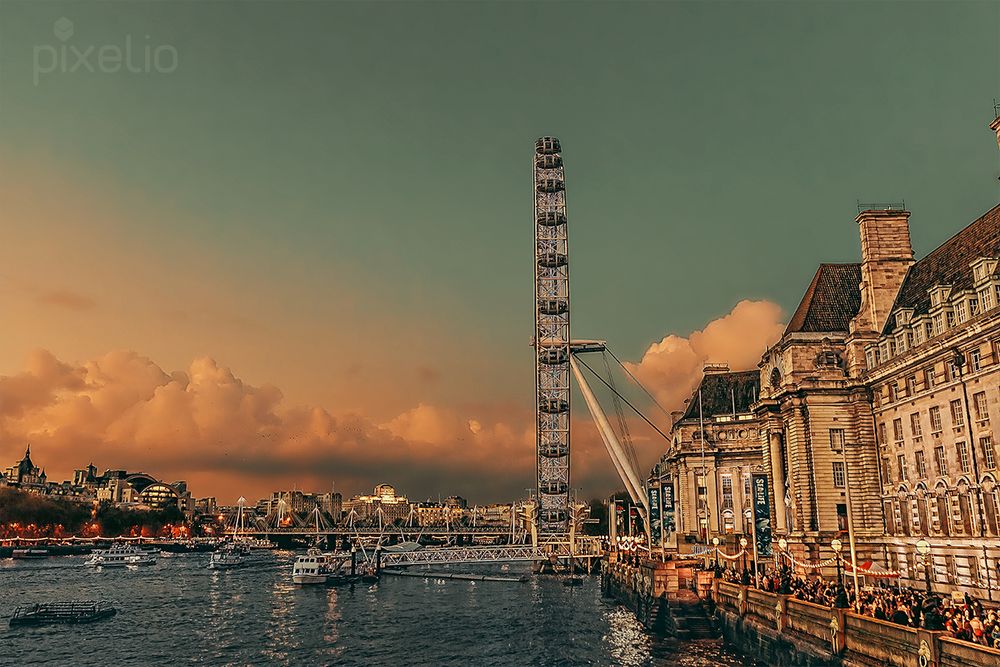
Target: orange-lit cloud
x,y
65,298
227,437
671,368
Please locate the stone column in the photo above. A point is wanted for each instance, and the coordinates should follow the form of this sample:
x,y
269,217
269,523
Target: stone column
x,y
778,477
712,499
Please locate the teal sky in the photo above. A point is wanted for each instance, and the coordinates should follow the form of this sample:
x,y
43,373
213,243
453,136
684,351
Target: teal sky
x,y
313,169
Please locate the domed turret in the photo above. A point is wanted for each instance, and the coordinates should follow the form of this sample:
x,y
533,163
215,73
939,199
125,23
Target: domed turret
x,y
547,145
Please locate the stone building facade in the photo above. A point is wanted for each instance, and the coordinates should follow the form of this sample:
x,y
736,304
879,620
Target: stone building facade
x,y
884,383
712,492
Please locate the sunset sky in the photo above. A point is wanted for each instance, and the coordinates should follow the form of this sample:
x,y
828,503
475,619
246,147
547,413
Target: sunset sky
x,y
304,255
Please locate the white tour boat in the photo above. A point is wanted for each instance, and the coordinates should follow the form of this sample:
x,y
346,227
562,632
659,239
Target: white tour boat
x,y
228,557
317,567
121,556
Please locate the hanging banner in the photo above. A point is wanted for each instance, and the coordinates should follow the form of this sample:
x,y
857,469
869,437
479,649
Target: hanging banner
x,y
667,494
761,515
655,531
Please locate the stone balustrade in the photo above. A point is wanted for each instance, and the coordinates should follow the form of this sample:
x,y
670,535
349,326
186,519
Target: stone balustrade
x,y
781,625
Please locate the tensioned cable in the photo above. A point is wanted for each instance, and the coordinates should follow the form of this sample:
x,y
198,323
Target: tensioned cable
x,y
625,400
622,422
636,381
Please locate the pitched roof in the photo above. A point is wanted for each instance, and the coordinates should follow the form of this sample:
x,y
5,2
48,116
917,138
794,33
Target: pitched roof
x,y
832,299
720,390
948,264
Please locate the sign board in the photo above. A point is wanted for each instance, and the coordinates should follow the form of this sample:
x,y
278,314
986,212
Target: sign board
x,y
655,526
761,515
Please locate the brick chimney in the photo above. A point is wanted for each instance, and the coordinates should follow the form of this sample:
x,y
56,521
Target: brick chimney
x,y
886,255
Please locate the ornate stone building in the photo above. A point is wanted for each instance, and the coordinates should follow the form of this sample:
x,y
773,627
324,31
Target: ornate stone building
x,y
712,493
884,384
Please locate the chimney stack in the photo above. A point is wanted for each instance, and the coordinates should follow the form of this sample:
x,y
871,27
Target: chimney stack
x,y
886,256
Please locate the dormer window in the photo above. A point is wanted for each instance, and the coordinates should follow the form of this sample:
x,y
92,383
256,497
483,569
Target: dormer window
x,y
962,312
938,324
870,357
949,316
973,307
928,330
986,299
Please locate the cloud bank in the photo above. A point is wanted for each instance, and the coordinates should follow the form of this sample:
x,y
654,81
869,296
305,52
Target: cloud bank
x,y
228,437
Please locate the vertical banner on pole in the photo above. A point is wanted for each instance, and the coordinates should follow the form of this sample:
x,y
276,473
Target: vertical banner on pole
x,y
613,522
655,526
761,516
667,494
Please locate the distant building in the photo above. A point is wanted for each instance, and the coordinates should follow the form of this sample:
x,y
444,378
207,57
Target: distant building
x,y
384,498
25,474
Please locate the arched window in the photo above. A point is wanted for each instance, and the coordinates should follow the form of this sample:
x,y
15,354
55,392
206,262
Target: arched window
x,y
775,378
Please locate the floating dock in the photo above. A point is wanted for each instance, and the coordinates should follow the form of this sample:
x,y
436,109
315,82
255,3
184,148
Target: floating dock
x,y
62,612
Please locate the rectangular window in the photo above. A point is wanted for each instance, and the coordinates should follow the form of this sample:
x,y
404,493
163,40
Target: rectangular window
x,y
897,431
839,476
727,492
892,347
892,392
882,438
915,425
747,494
973,307
921,465
930,377
957,414
982,409
940,462
935,414
901,466
989,453
911,385
975,360
963,312
837,439
949,316
870,358
938,324
928,330
986,299
963,456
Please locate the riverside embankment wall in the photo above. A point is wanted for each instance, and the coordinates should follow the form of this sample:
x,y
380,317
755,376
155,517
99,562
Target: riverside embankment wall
x,y
784,632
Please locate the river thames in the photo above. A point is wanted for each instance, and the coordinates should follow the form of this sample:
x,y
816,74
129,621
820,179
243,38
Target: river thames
x,y
179,611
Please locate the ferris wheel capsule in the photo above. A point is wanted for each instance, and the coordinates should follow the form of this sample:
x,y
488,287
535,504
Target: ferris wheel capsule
x,y
550,185
553,356
547,145
553,306
552,260
550,218
548,161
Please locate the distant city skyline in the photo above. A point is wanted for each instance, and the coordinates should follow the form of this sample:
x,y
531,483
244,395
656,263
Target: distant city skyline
x,y
304,254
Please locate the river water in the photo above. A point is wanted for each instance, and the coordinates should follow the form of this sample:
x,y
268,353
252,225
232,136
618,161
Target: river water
x,y
180,612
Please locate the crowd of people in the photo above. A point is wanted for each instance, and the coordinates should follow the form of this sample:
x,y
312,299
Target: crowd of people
x,y
966,618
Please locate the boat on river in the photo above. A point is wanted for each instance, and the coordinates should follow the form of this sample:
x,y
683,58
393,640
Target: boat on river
x,y
229,557
62,612
121,556
317,567
30,554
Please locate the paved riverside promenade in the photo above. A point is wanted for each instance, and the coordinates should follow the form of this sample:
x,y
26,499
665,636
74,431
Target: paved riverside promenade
x,y
787,631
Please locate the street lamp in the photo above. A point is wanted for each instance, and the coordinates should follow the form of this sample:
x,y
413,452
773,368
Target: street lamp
x,y
924,549
715,543
841,600
746,573
786,585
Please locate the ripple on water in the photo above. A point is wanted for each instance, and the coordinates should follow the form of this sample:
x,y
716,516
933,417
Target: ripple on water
x,y
179,611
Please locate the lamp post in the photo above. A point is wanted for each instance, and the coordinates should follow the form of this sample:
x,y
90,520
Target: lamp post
x,y
786,584
841,600
715,543
745,580
924,549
